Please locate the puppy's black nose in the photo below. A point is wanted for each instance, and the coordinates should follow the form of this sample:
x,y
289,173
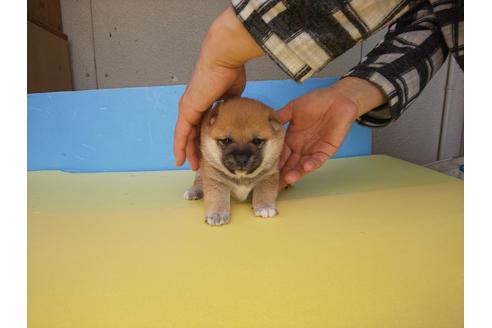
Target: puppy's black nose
x,y
241,158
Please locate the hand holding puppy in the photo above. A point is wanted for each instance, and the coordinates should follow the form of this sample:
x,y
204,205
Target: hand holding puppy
x,y
319,122
219,73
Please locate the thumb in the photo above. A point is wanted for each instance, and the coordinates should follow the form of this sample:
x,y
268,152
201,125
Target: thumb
x,y
285,113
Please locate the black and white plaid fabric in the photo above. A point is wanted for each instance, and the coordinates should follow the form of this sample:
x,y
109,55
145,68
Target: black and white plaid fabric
x,y
303,36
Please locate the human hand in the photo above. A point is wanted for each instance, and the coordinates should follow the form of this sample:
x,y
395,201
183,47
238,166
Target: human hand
x,y
219,73
319,122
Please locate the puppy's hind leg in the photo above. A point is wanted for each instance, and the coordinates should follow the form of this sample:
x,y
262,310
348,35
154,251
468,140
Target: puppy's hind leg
x,y
196,191
265,196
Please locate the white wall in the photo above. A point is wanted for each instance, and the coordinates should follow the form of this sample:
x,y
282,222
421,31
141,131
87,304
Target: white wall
x,y
120,43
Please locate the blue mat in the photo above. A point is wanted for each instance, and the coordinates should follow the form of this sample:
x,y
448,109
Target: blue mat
x,y
131,129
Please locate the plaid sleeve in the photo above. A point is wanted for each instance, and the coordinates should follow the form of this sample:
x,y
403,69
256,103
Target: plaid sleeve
x,y
450,15
403,63
303,36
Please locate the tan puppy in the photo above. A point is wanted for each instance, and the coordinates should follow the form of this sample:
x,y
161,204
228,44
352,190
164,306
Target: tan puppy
x,y
241,140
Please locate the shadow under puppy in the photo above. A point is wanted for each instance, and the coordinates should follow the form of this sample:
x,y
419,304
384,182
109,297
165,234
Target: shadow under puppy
x,y
240,142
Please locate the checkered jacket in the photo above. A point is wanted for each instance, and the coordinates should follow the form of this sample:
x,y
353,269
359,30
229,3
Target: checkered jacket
x,y
303,36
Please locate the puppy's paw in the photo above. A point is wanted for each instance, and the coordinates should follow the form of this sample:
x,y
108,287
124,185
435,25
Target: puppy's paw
x,y
267,211
193,194
217,219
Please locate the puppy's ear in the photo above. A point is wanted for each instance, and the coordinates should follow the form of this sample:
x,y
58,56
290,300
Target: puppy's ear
x,y
214,112
213,116
275,122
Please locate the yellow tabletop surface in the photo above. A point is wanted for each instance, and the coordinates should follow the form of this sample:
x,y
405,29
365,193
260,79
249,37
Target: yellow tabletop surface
x,y
363,242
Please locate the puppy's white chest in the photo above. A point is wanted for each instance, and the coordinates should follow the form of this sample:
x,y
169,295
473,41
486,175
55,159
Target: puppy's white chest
x,y
241,192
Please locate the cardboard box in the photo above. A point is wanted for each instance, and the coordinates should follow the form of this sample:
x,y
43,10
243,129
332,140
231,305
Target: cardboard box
x,y
48,60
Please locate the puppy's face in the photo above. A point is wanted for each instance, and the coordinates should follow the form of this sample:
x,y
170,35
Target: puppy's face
x,y
241,137
239,155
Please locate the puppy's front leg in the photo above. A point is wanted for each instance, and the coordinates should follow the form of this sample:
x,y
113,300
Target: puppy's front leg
x,y
217,202
265,196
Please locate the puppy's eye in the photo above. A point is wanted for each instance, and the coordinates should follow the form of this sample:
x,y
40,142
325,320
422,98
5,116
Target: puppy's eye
x,y
257,141
225,141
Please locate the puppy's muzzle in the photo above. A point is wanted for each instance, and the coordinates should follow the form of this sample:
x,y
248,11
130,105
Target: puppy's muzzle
x,y
241,159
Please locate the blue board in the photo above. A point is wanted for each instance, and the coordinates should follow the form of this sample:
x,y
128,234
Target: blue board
x,y
131,129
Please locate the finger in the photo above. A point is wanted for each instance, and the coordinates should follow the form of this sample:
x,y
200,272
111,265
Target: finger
x,y
293,175
192,152
285,113
291,162
292,170
181,133
314,161
282,184
284,156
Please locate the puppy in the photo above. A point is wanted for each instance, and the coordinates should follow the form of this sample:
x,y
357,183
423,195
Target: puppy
x,y
240,142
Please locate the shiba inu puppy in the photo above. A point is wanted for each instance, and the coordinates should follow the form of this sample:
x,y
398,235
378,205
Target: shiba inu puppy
x,y
240,143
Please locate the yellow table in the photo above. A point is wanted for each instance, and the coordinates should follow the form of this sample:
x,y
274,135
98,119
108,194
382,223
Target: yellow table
x,y
364,242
